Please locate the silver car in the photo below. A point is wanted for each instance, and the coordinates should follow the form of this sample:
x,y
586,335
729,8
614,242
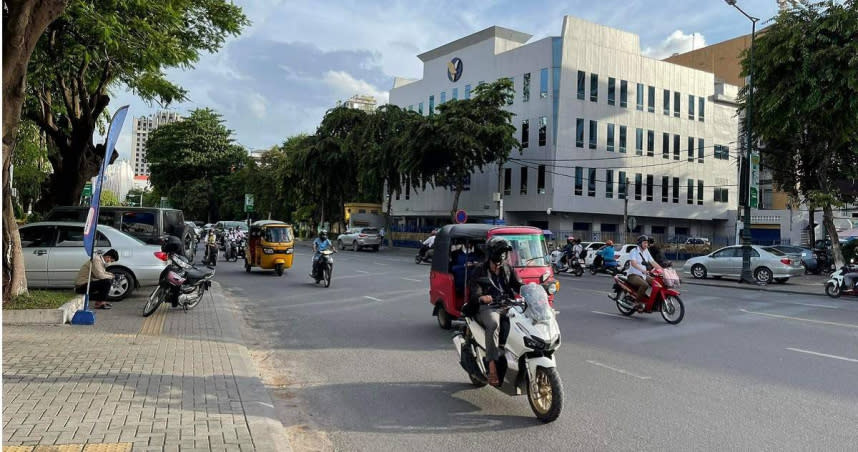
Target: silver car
x,y
54,253
357,238
767,264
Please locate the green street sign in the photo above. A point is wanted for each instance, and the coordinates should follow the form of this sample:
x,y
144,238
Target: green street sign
x,y
754,186
248,202
87,190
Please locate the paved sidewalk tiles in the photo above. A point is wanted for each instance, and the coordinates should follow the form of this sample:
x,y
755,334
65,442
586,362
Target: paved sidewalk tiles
x,y
172,381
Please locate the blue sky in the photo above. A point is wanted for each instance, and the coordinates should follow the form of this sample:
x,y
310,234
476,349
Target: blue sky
x,y
298,58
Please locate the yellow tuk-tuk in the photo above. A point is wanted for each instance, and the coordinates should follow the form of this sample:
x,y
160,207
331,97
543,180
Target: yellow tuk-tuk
x,y
270,246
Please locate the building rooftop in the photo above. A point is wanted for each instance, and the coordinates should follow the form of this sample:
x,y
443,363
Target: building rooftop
x,y
488,33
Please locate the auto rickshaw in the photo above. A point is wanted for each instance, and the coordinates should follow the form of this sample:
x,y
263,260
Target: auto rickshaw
x,y
270,246
459,247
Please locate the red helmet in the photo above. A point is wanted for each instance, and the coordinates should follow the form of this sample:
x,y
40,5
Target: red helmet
x,y
570,239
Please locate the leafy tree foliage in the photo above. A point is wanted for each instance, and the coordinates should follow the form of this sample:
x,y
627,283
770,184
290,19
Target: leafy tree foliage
x,y
108,198
31,164
805,104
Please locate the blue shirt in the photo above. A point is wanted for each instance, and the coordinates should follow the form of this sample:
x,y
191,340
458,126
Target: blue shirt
x,y
319,245
607,254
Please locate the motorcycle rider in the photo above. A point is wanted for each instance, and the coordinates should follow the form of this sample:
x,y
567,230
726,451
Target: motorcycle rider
x,y
211,247
608,254
850,277
321,243
503,282
427,244
568,251
639,259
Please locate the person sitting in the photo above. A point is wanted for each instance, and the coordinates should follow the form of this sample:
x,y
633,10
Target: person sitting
x,y
427,244
608,255
101,280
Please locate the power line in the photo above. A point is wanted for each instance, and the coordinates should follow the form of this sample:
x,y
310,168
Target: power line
x,y
624,156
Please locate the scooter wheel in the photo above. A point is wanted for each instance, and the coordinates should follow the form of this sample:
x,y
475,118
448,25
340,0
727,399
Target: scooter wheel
x,y
476,381
833,290
546,394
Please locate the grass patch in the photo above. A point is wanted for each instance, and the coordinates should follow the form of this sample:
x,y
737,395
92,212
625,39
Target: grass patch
x,y
40,299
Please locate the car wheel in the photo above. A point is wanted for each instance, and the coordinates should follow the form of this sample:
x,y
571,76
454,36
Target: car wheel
x,y
340,245
355,246
123,284
698,271
763,275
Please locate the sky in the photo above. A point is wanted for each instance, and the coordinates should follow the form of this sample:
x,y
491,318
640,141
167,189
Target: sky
x,y
298,58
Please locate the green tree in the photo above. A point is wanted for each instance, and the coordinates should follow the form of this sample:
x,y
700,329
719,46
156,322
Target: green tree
x,y
97,45
31,164
108,198
805,104
187,159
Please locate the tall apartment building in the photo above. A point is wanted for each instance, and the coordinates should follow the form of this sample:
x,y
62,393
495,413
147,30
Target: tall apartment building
x,y
365,103
595,119
143,126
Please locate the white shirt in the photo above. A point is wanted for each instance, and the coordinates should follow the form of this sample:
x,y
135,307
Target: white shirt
x,y
639,256
430,241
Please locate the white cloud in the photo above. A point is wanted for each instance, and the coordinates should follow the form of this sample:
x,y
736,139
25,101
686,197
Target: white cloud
x,y
677,42
346,86
258,105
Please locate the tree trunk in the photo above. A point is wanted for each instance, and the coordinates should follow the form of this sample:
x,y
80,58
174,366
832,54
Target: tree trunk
x,y
24,21
811,210
828,223
459,187
387,230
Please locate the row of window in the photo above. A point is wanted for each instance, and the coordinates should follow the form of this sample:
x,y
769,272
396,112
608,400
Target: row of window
x,y
721,152
624,97
540,180
668,192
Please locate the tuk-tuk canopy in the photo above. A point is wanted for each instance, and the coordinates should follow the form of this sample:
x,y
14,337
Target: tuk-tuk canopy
x,y
468,232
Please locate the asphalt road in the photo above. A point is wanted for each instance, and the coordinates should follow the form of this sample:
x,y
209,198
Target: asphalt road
x,y
362,365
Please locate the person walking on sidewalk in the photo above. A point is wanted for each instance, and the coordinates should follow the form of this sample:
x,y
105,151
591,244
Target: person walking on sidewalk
x,y
101,281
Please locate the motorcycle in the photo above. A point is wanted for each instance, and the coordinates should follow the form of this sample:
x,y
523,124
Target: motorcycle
x,y
570,263
425,257
664,296
210,258
240,248
836,286
598,266
180,284
527,363
324,267
229,252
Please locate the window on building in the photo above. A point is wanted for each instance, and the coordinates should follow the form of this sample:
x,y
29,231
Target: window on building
x,y
411,107
690,149
638,141
665,182
623,139
649,187
407,192
543,130
690,194
579,132
722,152
700,149
609,183
667,102
610,138
594,135
525,88
579,180
443,97
638,186
721,195
612,91
623,189
591,182
523,190
624,93
431,105
420,108
676,101
525,134
540,180
640,97
455,94
467,91
650,143
650,105
665,145
676,147
507,181
701,104
594,87
675,190
691,106
699,192
582,80
543,83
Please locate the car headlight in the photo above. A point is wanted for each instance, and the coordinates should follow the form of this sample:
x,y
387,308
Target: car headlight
x,y
268,250
552,288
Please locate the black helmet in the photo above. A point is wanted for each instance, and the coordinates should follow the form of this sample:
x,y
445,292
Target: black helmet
x,y
497,248
171,244
642,239
323,234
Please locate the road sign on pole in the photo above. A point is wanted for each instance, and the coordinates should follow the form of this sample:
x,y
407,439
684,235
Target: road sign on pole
x,y
754,185
248,202
633,223
461,216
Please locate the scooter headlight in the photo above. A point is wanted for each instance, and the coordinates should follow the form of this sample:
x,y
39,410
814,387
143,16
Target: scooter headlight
x,y
535,343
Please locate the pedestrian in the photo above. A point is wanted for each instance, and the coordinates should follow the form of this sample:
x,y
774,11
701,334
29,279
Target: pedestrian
x,y
101,281
381,234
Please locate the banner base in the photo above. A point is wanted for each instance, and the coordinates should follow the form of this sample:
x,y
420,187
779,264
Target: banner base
x,y
83,317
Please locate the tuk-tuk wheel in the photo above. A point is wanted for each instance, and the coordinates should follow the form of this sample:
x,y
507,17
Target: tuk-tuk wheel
x,y
278,269
247,268
444,320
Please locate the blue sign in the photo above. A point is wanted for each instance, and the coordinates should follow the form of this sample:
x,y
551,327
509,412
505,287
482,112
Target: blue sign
x,y
454,69
461,216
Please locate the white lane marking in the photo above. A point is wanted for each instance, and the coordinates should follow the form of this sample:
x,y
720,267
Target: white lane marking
x,y
816,305
371,298
379,263
611,315
822,322
412,279
624,372
825,355
361,271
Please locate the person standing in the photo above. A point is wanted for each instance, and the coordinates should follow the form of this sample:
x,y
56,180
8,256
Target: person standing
x,y
101,280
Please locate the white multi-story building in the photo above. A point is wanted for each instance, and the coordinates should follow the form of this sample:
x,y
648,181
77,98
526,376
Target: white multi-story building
x,y
143,126
119,178
591,112
358,102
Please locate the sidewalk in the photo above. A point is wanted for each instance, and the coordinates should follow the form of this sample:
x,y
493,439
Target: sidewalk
x,y
175,381
802,285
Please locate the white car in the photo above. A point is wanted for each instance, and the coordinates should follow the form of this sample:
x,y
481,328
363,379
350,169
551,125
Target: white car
x,y
591,248
622,255
54,253
357,238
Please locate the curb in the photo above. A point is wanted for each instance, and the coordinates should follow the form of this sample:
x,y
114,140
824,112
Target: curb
x,y
58,316
750,287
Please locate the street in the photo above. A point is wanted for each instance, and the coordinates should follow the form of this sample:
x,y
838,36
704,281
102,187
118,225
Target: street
x,y
363,365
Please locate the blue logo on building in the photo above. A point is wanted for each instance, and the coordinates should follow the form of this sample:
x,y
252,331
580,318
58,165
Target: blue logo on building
x,y
454,69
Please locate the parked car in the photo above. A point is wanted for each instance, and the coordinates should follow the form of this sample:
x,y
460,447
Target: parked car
x,y
591,248
767,264
54,253
357,238
695,245
622,255
149,224
807,255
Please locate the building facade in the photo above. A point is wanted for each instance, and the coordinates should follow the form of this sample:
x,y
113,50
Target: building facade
x,y
596,120
358,102
141,129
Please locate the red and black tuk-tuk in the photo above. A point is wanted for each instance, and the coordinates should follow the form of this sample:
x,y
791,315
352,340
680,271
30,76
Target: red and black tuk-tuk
x,y
460,247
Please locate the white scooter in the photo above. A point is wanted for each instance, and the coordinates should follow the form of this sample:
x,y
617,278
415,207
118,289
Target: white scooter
x,y
527,363
836,286
576,267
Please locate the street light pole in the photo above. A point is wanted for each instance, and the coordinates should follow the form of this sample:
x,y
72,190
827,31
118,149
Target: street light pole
x,y
746,162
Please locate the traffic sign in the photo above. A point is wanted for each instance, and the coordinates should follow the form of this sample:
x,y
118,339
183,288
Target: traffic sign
x,y
248,202
461,216
87,190
754,186
633,223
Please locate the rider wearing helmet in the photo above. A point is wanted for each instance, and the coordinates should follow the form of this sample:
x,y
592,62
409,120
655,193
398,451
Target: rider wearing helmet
x,y
321,243
569,249
639,260
492,281
608,254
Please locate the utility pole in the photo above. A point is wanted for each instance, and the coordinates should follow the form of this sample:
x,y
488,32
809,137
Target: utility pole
x,y
626,211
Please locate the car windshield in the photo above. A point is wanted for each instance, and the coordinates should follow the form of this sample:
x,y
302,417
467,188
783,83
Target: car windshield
x,y
538,308
528,250
277,235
